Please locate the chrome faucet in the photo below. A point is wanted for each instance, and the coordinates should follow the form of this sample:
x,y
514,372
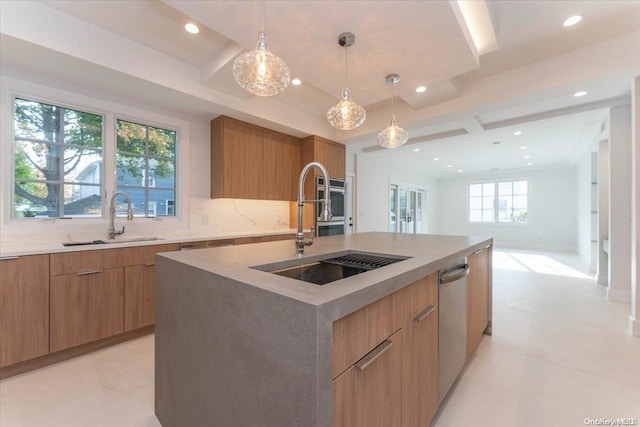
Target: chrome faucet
x,y
301,242
112,213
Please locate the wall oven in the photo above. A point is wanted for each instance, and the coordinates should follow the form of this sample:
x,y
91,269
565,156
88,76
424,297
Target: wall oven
x,y
337,196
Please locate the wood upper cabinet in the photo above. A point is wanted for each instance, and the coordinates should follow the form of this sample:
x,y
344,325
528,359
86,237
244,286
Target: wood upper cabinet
x,y
478,288
86,306
251,162
24,308
420,360
369,394
331,154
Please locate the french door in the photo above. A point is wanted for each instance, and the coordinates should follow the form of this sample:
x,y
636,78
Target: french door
x,y
405,208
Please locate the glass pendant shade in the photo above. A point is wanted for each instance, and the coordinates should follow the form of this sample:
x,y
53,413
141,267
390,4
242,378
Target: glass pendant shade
x,y
346,114
393,136
260,72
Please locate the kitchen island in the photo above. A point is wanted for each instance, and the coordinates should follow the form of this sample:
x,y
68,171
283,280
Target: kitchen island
x,y
239,346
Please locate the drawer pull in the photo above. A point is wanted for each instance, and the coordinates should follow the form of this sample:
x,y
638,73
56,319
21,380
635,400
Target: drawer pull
x,y
151,264
423,315
367,360
85,273
8,258
479,251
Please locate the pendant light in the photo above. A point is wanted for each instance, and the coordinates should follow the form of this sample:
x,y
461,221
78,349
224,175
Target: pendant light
x,y
346,114
393,136
259,71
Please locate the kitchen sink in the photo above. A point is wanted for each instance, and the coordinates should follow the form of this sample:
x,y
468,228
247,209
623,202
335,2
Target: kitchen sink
x,y
110,242
335,268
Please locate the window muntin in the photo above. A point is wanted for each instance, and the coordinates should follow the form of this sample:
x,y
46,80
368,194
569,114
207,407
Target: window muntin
x,y
146,167
502,202
57,161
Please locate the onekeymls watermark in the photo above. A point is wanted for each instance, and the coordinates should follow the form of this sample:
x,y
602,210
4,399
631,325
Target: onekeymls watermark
x,y
611,421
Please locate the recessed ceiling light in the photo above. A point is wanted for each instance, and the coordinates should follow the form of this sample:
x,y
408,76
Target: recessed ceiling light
x,y
527,157
192,28
518,132
436,159
579,94
421,89
530,164
296,82
572,20
460,170
449,166
416,149
524,147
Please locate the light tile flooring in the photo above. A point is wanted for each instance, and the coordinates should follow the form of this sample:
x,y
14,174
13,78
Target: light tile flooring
x,y
560,353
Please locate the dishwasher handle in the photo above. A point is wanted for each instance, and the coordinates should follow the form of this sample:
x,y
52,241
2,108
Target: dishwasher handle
x,y
455,274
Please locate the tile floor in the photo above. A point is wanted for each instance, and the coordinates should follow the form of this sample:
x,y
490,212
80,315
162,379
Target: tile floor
x,y
560,353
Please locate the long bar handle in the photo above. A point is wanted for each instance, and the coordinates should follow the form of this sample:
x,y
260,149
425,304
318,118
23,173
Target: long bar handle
x,y
8,258
457,276
423,315
86,273
371,357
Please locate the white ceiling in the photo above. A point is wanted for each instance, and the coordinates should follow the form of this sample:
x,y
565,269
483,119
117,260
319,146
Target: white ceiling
x,y
139,50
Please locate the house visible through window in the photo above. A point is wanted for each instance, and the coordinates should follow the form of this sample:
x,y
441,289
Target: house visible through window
x,y
504,201
57,161
146,167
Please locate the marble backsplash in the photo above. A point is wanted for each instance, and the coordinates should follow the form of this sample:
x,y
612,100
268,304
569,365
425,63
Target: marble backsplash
x,y
231,215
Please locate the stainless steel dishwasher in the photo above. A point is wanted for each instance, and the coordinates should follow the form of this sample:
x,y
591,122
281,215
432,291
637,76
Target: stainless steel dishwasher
x,y
452,325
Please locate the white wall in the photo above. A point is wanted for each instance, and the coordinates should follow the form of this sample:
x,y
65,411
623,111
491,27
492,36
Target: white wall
x,y
634,318
552,211
374,173
200,215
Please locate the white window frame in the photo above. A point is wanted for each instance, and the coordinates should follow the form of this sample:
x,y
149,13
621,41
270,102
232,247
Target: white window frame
x,y
496,183
11,87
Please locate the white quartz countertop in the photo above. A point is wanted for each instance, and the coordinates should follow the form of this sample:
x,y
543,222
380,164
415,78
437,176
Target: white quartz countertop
x,y
429,253
33,245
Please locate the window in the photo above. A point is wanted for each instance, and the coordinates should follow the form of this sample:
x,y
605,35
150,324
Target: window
x,y
405,208
57,161
146,167
505,202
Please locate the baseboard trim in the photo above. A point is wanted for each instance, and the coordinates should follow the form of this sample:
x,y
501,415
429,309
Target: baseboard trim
x,y
634,327
619,296
70,353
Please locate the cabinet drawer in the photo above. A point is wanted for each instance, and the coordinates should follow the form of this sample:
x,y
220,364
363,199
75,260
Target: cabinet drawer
x,y
369,394
143,255
359,332
410,300
77,262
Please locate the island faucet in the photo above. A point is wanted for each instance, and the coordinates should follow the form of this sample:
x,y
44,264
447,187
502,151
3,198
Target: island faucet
x,y
112,213
301,242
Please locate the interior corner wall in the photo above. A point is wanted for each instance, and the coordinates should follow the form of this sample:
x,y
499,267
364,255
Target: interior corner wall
x,y
374,173
620,204
552,210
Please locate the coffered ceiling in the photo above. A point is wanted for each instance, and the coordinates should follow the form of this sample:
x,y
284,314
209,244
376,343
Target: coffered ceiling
x,y
522,71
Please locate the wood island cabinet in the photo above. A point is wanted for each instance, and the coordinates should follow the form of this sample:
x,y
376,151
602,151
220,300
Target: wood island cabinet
x,y
24,308
385,360
478,296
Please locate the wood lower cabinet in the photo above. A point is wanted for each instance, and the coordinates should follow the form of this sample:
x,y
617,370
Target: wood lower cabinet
x,y
24,308
390,352
478,289
369,393
139,296
86,306
420,368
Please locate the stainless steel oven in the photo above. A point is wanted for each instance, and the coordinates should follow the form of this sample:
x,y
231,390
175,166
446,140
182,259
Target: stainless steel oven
x,y
337,196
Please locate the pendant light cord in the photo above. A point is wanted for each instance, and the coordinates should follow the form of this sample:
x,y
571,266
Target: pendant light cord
x,y
263,13
346,65
392,98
